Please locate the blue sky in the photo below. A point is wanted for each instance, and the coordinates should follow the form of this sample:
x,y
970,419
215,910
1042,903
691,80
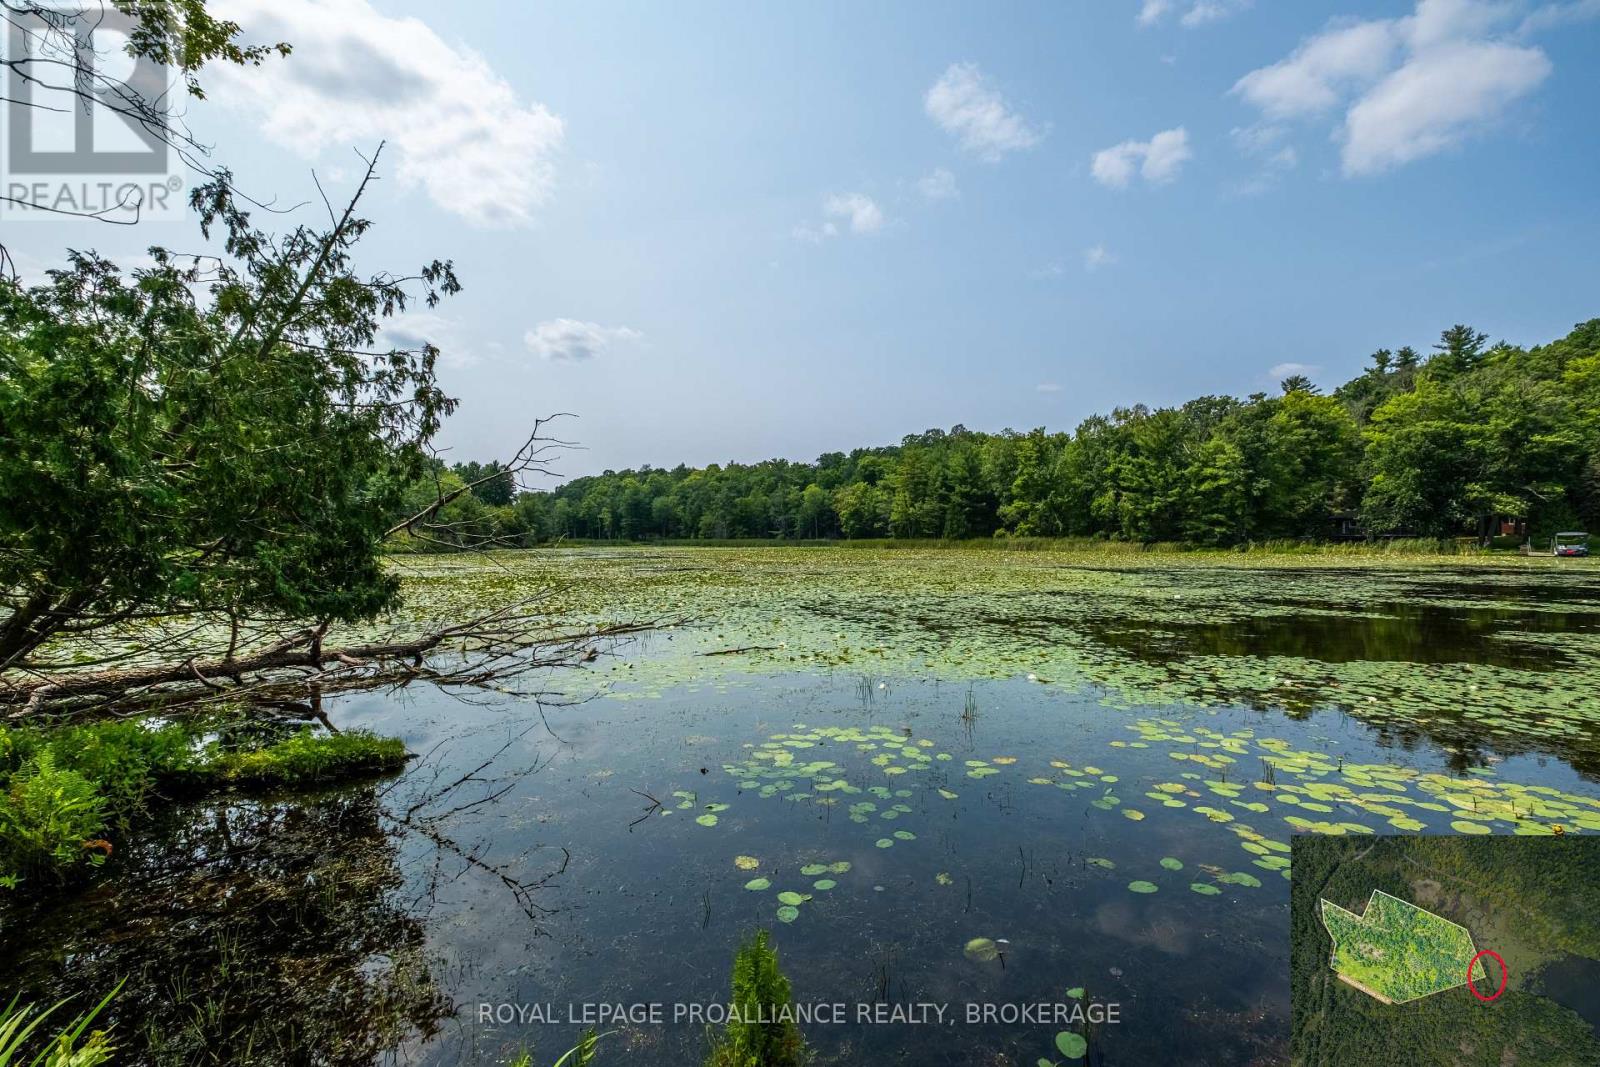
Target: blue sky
x,y
735,231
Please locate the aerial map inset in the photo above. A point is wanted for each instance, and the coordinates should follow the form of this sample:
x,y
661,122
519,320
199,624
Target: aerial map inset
x,y
1445,951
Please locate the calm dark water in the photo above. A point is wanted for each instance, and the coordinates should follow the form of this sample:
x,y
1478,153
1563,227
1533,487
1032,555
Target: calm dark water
x,y
521,863
1573,982
401,938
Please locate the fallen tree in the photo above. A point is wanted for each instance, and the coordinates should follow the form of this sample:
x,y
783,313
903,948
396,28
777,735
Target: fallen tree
x,y
490,651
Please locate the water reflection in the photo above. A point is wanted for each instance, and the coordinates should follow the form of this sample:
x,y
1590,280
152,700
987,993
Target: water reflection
x,y
248,932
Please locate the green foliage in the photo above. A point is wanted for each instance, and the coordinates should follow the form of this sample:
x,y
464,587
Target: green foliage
x,y
305,758
123,759
583,1053
18,1023
60,788
237,453
1434,448
47,814
759,1034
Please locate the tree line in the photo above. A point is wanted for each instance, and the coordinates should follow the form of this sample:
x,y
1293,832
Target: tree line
x,y
1441,444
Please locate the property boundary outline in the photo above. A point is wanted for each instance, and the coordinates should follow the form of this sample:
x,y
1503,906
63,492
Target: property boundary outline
x,y
1322,917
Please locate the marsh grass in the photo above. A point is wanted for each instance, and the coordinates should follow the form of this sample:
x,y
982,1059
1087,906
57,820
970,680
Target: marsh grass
x,y
67,1048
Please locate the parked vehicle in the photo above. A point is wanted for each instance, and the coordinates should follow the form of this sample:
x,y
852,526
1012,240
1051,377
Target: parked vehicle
x,y
1570,544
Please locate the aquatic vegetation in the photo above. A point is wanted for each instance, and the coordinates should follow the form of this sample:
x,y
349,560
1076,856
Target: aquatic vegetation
x,y
1171,864
1071,1045
1272,631
758,885
19,1022
981,950
1141,886
62,791
747,863
762,1030
284,903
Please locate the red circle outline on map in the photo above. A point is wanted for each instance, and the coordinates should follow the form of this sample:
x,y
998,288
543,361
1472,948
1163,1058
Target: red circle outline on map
x,y
1504,974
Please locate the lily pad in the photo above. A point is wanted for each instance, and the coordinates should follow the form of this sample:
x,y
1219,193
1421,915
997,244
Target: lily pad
x,y
788,913
1171,864
757,885
1141,886
982,950
1071,1045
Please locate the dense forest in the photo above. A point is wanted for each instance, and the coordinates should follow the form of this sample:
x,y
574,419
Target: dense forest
x,y
1449,443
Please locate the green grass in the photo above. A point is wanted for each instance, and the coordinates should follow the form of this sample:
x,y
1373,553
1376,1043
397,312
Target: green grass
x,y
19,1024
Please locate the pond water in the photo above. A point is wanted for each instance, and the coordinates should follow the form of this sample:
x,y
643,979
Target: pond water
x,y
919,777
1574,982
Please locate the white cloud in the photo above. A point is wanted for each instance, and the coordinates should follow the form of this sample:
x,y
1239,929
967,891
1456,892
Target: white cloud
x,y
861,211
1552,16
1153,11
938,185
856,212
1096,257
1435,100
966,106
1047,387
1413,86
1115,166
1316,75
1289,370
1204,11
1264,142
570,339
1158,159
1198,12
455,128
814,235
